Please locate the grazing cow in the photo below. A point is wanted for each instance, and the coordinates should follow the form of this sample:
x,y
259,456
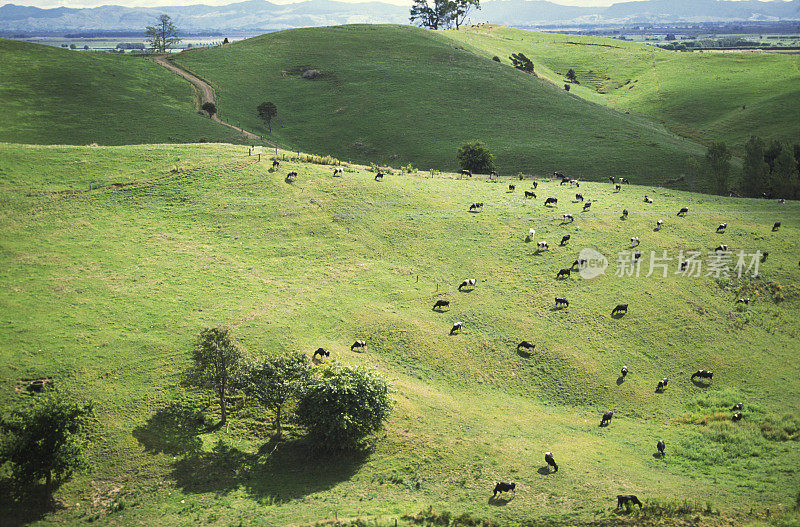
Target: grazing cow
x,y
624,180
637,255
635,241
511,187
621,308
721,248
469,282
563,180
660,446
276,163
764,256
578,197
526,346
358,344
745,301
535,184
626,500
291,175
565,239
476,206
558,175
611,179
647,200
624,371
563,272
504,487
737,416
683,211
530,194
548,458
606,418
493,174
338,171
737,406
541,246
586,206
561,301
703,374
617,188
625,213
661,385
379,176
466,173
659,224
456,327
776,226
684,265
441,303
568,218
548,201
531,233
322,352
722,227
580,262
782,201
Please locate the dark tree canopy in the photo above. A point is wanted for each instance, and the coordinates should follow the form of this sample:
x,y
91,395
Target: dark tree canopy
x,y
521,62
267,111
571,75
718,158
442,14
163,35
755,170
215,359
475,157
210,108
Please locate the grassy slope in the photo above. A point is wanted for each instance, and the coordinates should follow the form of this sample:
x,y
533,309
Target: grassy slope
x,y
399,95
706,96
55,96
105,289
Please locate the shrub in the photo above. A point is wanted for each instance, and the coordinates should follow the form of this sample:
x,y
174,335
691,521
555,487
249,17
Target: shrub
x,y
566,87
496,58
521,62
475,157
784,428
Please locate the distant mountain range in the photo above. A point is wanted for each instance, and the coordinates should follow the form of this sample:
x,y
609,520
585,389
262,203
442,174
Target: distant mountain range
x,y
260,14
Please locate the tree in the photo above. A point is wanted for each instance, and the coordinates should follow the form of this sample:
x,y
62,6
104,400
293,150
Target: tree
x,y
267,111
755,170
274,381
44,439
772,153
475,157
521,62
343,406
670,36
209,107
163,35
431,16
571,76
718,158
459,9
215,359
784,180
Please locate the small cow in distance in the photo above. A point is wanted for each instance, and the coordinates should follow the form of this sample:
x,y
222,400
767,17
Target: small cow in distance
x,y
764,256
476,206
456,327
634,241
565,239
530,194
540,246
661,385
561,301
441,304
563,273
558,174
683,211
578,197
624,371
703,374
606,418
737,407
637,255
624,180
721,248
722,227
586,206
660,446
659,224
291,176
322,352
469,282
504,487
617,188
379,176
621,308
525,345
338,171
548,201
579,263
737,416
568,218
563,180
358,344
276,163
624,214
511,187
776,226
493,174
745,301
647,200
548,458
611,179
626,500
466,173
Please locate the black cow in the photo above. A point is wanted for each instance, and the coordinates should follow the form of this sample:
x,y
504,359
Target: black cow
x,y
617,188
441,303
635,241
776,226
470,282
648,200
476,206
568,218
563,180
456,327
561,301
291,175
721,248
526,346
683,211
578,197
493,174
358,344
563,272
626,500
625,213
637,255
322,352
764,256
606,418
530,194
276,163
745,301
548,201
558,175
535,184
661,385
338,171
660,446
722,227
548,458
737,416
621,308
737,406
624,371
659,224
512,187
565,239
611,179
703,374
504,487
586,206
624,180
379,176
466,173
580,262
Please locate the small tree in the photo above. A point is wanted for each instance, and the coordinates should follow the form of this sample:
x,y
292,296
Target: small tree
x,y
431,16
209,107
755,171
566,87
521,62
267,111
163,35
718,158
459,9
784,180
215,359
44,440
344,406
475,157
571,75
274,381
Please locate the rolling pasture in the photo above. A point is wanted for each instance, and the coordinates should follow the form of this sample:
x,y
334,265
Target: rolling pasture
x,y
704,96
113,258
398,95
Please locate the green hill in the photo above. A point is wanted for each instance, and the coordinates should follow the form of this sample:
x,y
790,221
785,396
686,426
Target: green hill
x,y
56,96
705,96
113,258
400,95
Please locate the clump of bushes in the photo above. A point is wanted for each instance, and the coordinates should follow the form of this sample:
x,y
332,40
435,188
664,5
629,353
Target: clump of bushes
x,y
475,157
784,428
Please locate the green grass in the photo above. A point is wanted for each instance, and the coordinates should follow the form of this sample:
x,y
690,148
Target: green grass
x,y
398,95
105,288
705,96
55,96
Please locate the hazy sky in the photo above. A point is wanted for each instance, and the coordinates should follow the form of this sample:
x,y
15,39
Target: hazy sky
x,y
154,3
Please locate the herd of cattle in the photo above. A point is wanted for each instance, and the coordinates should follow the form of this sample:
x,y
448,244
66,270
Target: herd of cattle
x,y
526,348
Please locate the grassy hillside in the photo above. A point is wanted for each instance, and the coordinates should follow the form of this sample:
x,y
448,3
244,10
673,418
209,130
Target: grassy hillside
x,y
400,95
55,96
705,96
109,274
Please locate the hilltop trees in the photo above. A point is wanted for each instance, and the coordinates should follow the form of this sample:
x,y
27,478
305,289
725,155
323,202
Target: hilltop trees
x,y
163,35
772,171
443,14
475,157
267,111
215,359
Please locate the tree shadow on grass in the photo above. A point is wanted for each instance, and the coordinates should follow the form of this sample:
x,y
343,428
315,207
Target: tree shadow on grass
x,y
285,470
25,504
174,429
